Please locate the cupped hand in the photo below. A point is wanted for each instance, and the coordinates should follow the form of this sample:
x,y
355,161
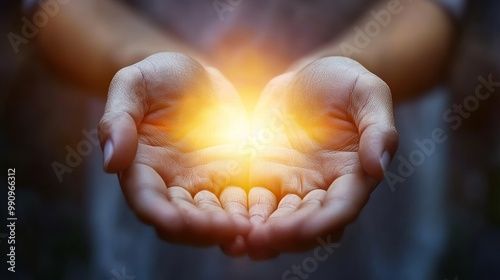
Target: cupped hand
x,y
324,136
177,134
170,130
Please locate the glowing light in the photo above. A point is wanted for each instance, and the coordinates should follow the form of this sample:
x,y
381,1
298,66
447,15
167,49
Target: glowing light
x,y
218,125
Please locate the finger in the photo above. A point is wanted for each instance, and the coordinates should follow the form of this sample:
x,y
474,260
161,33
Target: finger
x,y
200,229
343,202
262,203
220,221
288,204
214,176
196,223
234,202
297,211
235,248
118,127
151,84
372,110
263,238
285,231
145,193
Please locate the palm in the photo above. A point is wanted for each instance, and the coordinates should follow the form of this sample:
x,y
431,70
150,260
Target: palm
x,y
185,157
194,165
191,140
186,154
312,141
311,164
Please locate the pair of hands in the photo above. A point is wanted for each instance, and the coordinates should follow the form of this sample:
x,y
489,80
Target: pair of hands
x,y
192,164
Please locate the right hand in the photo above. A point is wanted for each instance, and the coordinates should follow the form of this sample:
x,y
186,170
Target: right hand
x,y
329,137
169,132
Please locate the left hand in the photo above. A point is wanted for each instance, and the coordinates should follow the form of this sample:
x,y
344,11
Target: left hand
x,y
169,131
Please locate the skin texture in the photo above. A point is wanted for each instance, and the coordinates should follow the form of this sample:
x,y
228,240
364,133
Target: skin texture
x,y
313,174
323,161
319,166
154,120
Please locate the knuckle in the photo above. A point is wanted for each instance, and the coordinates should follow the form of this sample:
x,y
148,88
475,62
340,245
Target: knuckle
x,y
124,74
172,73
182,68
370,80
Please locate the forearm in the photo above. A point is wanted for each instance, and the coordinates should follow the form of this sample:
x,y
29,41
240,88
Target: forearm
x,y
89,41
410,53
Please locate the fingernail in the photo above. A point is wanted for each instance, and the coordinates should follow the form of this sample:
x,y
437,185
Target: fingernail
x,y
385,160
108,152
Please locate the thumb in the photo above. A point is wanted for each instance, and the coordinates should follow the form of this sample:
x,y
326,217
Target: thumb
x,y
118,126
372,103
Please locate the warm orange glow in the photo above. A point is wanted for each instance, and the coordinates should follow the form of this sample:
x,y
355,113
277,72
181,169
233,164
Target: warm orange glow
x,y
217,125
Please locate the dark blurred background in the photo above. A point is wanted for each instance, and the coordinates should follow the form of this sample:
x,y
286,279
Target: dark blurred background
x,y
42,115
